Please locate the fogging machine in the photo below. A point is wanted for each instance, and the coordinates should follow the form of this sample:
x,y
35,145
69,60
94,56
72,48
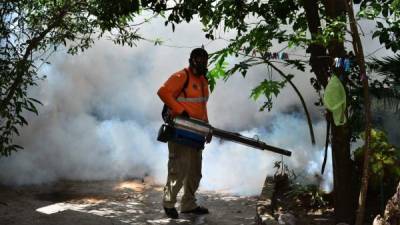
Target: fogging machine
x,y
194,132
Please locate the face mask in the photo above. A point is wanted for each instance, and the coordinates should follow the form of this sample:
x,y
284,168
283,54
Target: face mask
x,y
202,69
200,66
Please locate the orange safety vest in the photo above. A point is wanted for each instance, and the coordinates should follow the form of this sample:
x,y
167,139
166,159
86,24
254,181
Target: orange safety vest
x,y
193,99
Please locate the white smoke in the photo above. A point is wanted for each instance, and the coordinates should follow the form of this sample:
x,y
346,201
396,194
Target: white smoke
x,y
101,115
239,169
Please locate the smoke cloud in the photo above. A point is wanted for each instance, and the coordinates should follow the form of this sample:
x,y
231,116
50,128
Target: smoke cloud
x,y
100,117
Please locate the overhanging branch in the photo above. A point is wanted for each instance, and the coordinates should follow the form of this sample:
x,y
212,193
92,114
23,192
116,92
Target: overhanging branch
x,y
310,126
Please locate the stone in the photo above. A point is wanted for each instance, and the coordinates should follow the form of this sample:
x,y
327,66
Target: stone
x,y
379,221
392,211
287,219
268,220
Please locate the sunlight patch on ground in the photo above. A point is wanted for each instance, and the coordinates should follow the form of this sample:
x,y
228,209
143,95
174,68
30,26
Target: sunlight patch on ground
x,y
167,221
158,188
101,208
132,185
88,200
59,207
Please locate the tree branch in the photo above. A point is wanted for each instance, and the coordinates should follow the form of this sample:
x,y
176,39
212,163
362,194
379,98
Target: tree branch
x,y
310,126
357,46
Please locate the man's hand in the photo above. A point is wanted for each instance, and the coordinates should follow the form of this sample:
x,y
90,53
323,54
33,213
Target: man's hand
x,y
184,114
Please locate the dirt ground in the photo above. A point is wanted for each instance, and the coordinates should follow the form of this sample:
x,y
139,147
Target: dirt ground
x,y
114,203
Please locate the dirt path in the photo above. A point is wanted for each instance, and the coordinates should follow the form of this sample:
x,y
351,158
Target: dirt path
x,y
112,202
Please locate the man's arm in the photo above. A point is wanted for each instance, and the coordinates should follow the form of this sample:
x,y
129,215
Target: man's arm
x,y
170,90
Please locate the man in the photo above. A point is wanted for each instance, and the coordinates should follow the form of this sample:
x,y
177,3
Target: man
x,y
185,93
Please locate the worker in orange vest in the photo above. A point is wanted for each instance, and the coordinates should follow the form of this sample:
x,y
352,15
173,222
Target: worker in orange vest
x,y
185,94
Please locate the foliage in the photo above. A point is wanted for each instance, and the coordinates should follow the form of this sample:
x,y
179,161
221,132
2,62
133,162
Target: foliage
x,y
387,86
32,30
384,170
386,14
267,88
384,158
216,73
310,195
384,86
389,67
307,195
281,168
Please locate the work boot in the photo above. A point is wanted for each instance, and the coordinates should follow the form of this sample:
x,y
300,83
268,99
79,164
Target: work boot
x,y
199,210
171,213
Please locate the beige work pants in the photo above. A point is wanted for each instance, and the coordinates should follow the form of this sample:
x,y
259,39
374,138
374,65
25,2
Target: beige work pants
x,y
184,169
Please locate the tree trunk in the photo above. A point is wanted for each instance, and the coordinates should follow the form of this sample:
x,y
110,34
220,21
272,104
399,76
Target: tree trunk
x,y
319,59
343,184
344,197
344,192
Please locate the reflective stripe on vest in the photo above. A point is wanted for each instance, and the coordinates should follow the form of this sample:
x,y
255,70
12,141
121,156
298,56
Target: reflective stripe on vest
x,y
195,100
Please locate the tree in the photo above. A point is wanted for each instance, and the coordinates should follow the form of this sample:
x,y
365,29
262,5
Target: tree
x,y
32,30
320,28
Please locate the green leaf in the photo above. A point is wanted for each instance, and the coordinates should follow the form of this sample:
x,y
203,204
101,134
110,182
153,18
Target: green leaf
x,y
376,34
218,72
268,89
